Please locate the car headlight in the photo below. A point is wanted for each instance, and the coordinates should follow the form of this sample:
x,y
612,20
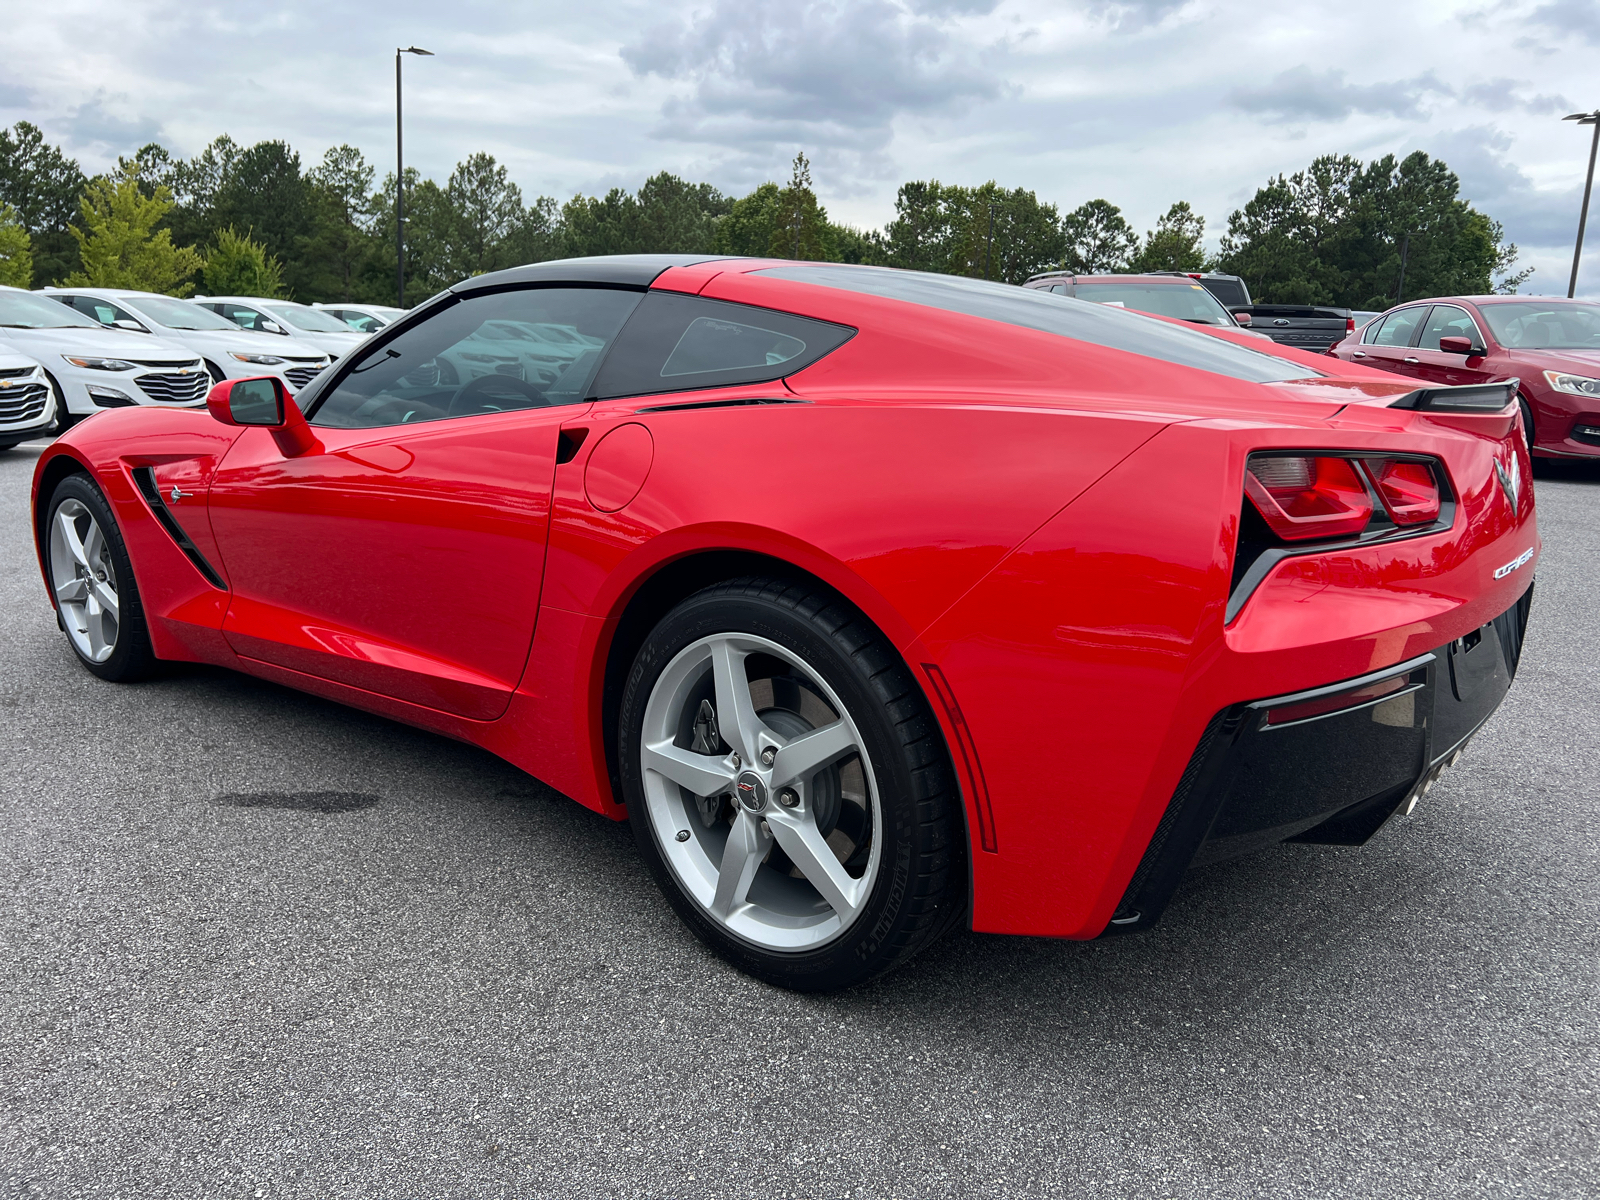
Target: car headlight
x,y
260,360
1577,385
100,364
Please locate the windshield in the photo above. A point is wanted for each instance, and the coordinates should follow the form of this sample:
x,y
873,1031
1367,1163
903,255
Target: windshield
x,y
19,310
176,314
309,319
1545,325
1192,303
1064,316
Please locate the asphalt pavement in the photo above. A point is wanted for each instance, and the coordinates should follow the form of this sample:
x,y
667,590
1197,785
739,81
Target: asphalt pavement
x,y
253,944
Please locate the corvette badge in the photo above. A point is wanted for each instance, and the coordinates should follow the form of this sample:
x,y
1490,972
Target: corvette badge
x,y
1518,561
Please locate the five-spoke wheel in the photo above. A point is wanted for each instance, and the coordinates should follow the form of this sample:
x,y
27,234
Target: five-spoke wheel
x,y
96,600
788,785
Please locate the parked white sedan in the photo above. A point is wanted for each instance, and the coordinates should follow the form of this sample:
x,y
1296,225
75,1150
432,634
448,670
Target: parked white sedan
x,y
363,318
284,318
92,367
27,401
227,351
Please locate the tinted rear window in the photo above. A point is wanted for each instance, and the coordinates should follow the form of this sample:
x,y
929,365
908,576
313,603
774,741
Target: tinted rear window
x,y
675,342
1065,316
1229,291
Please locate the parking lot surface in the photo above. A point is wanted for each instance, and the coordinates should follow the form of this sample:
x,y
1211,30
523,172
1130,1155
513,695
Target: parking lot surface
x,y
254,944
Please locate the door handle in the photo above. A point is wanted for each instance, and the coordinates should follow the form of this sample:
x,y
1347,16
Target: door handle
x,y
1358,354
1412,360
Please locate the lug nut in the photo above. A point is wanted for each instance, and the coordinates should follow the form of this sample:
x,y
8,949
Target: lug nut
x,y
768,756
788,797
736,760
683,835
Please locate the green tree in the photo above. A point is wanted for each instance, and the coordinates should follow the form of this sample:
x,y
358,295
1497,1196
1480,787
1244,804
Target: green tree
x,y
600,225
123,246
1336,233
487,208
341,238
236,265
43,185
1175,244
1098,240
677,217
799,223
263,193
196,184
747,229
16,250
918,239
538,235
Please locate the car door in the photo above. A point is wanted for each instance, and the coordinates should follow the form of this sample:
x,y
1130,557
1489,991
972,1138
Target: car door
x,y
1434,365
1387,344
404,555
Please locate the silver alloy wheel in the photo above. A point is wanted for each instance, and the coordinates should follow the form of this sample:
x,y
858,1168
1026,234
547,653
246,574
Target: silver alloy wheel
x,y
85,580
765,807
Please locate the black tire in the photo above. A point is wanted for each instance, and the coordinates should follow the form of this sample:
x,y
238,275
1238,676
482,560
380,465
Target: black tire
x,y
920,889
64,419
214,371
1527,422
131,658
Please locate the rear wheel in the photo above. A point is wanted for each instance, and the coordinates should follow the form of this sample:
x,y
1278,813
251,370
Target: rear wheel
x,y
788,785
92,585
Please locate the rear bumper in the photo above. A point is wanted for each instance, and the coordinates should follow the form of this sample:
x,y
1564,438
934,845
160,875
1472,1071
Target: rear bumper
x,y
1328,765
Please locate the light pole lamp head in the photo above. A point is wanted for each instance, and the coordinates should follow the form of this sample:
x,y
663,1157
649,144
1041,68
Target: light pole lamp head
x,y
413,50
1588,118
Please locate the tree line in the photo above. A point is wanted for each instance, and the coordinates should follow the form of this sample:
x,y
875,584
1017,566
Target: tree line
x,y
256,220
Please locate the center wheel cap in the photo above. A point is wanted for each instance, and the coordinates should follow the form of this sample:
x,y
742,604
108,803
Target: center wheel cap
x,y
751,791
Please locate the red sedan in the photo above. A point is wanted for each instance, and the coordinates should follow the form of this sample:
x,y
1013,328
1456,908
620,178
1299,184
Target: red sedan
x,y
878,602
1551,347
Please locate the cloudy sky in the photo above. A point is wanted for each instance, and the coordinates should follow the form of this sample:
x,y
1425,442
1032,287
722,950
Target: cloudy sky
x,y
1143,102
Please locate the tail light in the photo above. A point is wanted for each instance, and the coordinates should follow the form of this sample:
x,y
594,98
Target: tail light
x,y
1325,496
1409,491
1349,326
1304,498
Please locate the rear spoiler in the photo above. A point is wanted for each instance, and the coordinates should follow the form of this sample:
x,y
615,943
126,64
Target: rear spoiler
x,y
1471,397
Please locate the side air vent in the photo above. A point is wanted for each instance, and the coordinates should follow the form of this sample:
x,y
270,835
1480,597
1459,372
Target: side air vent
x,y
145,479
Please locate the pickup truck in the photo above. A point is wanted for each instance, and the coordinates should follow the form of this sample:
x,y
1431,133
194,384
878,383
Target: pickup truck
x,y
1303,326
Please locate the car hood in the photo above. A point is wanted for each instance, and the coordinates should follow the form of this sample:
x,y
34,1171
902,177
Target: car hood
x,y
104,343
1579,362
331,343
12,358
245,341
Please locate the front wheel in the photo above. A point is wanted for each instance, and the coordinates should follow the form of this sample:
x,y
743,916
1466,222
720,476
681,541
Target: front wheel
x,y
91,577
789,787
1527,422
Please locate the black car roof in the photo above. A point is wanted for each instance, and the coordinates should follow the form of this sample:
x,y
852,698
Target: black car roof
x,y
619,270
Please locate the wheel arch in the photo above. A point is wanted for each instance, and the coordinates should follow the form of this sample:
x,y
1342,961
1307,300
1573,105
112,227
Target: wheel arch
x,y
656,593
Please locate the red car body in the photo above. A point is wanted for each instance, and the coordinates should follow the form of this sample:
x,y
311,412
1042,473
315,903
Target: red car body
x,y
1048,530
1528,339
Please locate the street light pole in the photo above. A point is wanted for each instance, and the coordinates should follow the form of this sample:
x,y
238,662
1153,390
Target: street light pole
x,y
1590,118
400,182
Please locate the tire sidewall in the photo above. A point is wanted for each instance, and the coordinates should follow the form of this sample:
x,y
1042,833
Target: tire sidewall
x,y
131,659
852,956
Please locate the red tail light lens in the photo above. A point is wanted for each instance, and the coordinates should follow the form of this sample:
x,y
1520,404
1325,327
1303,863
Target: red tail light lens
x,y
1409,490
1349,326
1303,498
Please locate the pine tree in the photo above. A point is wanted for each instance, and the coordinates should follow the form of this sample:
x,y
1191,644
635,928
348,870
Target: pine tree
x,y
120,245
799,224
237,265
16,250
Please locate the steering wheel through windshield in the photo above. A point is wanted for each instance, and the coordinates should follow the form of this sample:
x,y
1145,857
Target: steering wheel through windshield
x,y
477,395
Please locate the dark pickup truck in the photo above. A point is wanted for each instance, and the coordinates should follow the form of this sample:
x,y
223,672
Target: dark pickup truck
x,y
1303,326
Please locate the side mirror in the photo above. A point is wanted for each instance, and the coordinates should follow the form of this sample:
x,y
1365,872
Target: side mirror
x,y
125,323
1459,345
1243,318
264,402
271,327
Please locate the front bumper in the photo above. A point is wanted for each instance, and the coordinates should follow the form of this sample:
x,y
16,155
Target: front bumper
x,y
1329,765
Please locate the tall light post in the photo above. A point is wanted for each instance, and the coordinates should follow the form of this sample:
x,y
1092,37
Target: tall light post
x,y
400,182
1588,118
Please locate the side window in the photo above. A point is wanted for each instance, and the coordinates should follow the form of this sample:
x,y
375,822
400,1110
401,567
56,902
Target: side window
x,y
529,348
676,343
1447,320
1398,327
95,310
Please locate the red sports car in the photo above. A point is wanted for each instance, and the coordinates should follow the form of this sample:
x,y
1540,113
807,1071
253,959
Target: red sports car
x,y
1550,347
877,601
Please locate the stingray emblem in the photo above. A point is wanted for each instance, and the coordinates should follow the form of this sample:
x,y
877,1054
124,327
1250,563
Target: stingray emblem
x,y
1510,481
